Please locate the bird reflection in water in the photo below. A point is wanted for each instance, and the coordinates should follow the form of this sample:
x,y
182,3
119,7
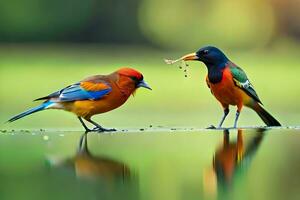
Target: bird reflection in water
x,y
97,177
94,167
230,162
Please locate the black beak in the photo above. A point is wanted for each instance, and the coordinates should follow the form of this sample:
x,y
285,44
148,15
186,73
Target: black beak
x,y
143,84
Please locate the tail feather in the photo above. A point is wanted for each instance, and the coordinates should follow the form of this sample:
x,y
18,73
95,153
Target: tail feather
x,y
266,117
30,111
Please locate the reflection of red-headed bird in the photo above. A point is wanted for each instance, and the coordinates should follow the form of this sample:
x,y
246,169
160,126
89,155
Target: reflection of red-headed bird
x,y
229,84
93,95
90,166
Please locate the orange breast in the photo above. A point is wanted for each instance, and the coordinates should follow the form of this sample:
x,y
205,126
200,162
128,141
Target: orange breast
x,y
227,92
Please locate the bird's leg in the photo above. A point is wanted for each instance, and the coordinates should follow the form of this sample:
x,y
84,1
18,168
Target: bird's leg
x,y
83,148
226,111
99,128
237,114
84,126
226,138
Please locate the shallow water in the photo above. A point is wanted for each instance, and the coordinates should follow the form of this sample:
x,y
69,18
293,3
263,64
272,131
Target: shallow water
x,y
158,164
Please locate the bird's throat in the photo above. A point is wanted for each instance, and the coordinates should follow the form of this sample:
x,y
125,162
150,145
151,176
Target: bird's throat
x,y
215,71
215,74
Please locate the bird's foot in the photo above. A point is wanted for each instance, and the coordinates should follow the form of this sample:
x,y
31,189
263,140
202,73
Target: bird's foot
x,y
101,129
214,127
211,127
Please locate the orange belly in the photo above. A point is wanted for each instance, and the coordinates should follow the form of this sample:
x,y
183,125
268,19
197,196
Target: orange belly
x,y
88,108
227,93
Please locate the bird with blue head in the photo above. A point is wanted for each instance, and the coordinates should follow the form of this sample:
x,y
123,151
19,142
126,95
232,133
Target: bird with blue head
x,y
229,84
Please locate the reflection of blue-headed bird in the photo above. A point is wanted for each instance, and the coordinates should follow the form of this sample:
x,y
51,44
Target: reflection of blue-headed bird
x,y
230,161
231,157
93,95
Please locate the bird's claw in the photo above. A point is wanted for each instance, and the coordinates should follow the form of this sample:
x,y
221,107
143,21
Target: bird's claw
x,y
211,127
110,130
101,129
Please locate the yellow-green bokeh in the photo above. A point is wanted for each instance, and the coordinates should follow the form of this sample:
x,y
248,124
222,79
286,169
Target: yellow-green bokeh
x,y
190,24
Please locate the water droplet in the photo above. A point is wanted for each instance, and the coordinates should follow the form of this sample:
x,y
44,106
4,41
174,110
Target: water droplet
x,y
45,137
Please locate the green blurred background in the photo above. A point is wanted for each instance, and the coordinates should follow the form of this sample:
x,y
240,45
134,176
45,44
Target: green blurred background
x,y
47,45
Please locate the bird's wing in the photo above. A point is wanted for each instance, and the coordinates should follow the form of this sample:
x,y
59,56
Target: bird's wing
x,y
85,90
241,80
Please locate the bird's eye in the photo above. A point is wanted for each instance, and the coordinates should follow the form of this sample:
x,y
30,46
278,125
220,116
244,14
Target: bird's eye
x,y
205,51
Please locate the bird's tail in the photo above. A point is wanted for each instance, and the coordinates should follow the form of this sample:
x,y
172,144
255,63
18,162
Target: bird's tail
x,y
265,116
41,107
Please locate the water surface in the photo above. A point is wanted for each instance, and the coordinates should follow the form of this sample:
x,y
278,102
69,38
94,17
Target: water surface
x,y
161,164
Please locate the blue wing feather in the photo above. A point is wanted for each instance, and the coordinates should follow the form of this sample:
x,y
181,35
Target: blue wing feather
x,y
76,92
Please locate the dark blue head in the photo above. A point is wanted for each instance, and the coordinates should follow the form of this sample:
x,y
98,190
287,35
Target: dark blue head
x,y
211,56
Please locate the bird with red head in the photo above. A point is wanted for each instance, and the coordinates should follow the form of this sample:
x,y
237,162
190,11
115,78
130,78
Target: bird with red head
x,y
91,96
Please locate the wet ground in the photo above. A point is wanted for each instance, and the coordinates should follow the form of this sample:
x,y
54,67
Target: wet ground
x,y
151,163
